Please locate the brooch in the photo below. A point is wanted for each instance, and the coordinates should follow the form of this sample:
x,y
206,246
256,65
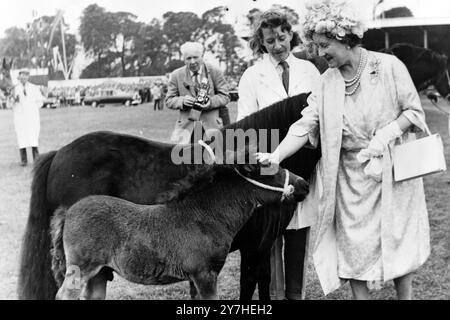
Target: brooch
x,y
374,71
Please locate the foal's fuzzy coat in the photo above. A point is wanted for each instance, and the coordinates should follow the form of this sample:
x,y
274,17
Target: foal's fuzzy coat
x,y
160,244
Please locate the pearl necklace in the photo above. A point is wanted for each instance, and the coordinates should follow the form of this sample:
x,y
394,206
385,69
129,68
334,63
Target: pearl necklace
x,y
356,80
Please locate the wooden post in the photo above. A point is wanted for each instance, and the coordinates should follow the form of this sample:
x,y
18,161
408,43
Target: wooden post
x,y
66,76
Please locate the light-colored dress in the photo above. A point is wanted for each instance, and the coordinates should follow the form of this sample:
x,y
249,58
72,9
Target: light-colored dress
x,y
365,230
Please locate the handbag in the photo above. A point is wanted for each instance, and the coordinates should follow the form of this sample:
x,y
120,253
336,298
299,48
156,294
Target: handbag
x,y
418,158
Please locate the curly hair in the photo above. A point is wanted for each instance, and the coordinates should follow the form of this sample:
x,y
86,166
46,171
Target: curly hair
x,y
271,19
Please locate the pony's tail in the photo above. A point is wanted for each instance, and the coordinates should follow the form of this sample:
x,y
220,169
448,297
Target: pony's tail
x,y
57,251
36,280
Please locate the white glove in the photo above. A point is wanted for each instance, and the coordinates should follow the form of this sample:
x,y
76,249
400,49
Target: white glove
x,y
374,151
374,169
267,158
387,134
380,141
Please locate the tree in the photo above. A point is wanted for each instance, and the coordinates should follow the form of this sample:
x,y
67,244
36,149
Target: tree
x,y
31,47
150,50
110,38
124,37
178,28
95,31
218,37
15,45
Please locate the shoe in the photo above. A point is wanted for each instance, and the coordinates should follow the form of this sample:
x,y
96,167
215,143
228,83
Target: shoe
x,y
23,157
35,151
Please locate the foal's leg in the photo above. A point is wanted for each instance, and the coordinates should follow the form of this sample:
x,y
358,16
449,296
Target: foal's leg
x,y
72,285
360,290
95,288
206,284
193,291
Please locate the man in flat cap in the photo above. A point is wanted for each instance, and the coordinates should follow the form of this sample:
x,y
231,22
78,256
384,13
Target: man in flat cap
x,y
27,100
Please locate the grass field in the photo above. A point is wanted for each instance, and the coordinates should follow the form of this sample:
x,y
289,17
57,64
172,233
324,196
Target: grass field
x,y
61,126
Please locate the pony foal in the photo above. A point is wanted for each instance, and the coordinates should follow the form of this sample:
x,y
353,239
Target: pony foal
x,y
186,239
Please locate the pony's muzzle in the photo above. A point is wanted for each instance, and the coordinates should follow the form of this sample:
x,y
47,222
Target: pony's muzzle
x,y
301,189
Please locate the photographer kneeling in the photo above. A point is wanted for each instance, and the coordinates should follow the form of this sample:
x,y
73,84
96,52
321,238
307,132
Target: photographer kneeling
x,y
200,92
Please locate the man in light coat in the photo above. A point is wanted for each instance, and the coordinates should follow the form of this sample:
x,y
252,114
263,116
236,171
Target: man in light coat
x,y
27,100
183,89
276,77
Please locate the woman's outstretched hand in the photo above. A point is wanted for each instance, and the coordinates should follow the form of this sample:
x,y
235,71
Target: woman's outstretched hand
x,y
266,159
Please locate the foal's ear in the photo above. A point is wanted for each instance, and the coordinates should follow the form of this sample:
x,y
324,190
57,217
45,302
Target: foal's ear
x,y
11,63
251,168
4,66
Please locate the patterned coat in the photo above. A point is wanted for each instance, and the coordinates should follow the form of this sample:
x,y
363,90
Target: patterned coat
x,y
405,239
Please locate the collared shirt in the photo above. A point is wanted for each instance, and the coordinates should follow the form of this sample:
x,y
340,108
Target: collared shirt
x,y
277,65
199,77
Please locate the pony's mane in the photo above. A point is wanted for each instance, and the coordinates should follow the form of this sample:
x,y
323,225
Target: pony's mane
x,y
279,115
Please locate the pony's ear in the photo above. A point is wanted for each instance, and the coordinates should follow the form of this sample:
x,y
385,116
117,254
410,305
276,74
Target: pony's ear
x,y
4,66
11,63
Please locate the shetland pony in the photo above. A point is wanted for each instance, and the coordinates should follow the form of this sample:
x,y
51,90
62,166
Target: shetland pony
x,y
187,238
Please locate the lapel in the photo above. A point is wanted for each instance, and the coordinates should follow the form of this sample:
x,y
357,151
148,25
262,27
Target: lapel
x,y
269,78
333,113
297,76
331,118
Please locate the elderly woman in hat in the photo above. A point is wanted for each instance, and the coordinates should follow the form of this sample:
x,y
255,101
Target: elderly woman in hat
x,y
369,228
27,102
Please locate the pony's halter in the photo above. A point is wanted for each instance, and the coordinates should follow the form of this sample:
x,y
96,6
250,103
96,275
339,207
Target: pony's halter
x,y
286,191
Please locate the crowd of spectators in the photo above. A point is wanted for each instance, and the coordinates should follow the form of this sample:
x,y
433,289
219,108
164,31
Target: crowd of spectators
x,y
72,96
141,92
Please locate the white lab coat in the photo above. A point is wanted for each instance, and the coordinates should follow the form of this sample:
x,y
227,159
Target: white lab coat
x,y
26,114
260,86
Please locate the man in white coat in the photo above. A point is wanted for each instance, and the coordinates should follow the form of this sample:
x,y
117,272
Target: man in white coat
x,y
274,78
27,100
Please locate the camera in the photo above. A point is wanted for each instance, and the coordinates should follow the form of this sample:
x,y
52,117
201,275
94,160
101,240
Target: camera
x,y
201,100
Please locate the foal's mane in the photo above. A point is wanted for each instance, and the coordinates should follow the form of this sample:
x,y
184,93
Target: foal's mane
x,y
199,177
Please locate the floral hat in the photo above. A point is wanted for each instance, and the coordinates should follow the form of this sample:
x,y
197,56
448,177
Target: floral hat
x,y
331,17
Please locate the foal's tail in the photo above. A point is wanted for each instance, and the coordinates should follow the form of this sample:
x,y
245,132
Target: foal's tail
x,y
57,251
35,275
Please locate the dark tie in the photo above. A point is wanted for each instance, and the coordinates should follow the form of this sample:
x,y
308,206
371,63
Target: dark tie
x,y
195,76
24,91
285,75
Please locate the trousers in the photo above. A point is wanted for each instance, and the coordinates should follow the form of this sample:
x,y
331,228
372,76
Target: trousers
x,y
288,278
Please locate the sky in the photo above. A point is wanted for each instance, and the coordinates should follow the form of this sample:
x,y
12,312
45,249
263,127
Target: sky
x,y
19,12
